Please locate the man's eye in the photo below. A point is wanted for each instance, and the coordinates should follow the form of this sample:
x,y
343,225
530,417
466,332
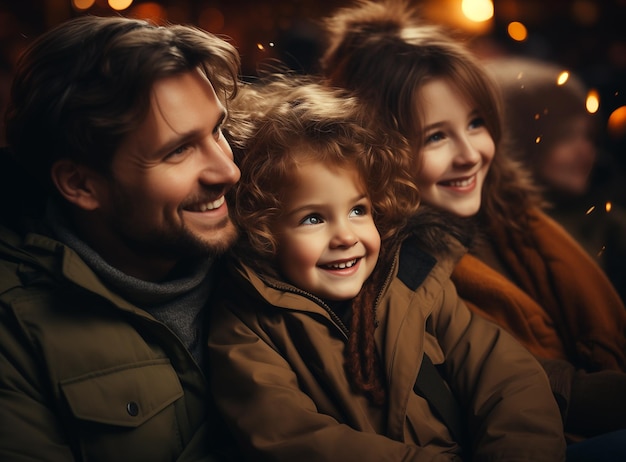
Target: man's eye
x,y
217,134
179,150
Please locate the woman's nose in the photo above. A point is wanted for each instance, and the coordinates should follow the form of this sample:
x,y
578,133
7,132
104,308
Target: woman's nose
x,y
467,154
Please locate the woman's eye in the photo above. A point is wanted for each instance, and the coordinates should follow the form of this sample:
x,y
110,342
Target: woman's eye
x,y
478,122
434,137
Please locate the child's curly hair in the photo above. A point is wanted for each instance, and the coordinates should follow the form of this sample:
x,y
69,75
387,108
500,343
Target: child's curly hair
x,y
292,119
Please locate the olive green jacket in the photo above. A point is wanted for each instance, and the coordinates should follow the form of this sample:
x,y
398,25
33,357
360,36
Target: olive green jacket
x,y
86,376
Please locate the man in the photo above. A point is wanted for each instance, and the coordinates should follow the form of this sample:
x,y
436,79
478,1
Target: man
x,y
114,129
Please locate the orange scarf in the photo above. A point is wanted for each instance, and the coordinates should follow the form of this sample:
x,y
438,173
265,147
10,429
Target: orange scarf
x,y
562,306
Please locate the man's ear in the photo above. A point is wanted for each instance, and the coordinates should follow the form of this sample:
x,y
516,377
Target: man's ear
x,y
77,183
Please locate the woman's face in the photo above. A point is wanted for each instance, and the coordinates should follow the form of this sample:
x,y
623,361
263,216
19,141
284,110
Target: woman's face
x,y
457,151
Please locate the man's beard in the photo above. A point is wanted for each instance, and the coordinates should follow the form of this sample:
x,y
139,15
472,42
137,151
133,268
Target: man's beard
x,y
179,243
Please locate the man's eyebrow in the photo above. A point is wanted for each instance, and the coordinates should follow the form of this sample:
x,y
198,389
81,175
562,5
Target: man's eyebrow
x,y
183,137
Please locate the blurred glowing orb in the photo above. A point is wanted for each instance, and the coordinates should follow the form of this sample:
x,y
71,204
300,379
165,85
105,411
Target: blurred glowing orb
x,y
593,101
585,12
562,78
83,4
477,10
517,31
151,11
617,122
120,4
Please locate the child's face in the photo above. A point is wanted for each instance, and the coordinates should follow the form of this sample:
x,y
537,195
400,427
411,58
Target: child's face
x,y
457,151
568,163
327,241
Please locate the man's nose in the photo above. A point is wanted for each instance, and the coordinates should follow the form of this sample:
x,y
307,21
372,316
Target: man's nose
x,y
219,167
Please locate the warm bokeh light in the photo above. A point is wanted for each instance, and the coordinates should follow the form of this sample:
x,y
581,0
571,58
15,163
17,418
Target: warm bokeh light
x,y
120,5
517,31
608,206
211,19
585,12
260,46
459,15
562,78
593,101
590,209
83,4
617,122
538,140
151,11
477,10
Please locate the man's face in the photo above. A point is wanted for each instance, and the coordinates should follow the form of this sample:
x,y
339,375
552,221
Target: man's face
x,y
165,199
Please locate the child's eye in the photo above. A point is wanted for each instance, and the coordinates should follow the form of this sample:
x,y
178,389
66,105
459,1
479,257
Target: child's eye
x,y
358,211
311,220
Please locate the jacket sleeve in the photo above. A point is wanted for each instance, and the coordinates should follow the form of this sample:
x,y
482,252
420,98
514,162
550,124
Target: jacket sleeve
x,y
271,416
512,413
29,429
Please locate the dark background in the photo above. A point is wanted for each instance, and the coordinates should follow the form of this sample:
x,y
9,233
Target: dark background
x,y
585,36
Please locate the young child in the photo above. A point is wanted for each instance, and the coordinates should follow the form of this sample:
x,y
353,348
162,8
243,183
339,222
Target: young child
x,y
334,309
557,139
528,274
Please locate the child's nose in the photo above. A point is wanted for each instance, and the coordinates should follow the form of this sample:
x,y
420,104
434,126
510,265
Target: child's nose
x,y
344,236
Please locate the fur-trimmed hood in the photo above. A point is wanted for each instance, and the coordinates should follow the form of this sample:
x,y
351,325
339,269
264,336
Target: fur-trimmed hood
x,y
432,229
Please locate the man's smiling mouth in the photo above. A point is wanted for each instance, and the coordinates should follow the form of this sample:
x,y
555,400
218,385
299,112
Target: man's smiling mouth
x,y
212,205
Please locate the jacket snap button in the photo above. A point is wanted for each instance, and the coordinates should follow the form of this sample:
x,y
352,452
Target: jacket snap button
x,y
132,408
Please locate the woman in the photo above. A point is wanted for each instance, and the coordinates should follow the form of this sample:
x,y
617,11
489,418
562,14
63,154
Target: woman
x,y
521,274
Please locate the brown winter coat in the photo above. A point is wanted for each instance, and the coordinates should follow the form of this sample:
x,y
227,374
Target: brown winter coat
x,y
560,306
278,356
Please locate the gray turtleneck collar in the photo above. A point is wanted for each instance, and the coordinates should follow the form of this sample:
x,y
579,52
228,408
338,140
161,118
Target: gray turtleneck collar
x,y
178,303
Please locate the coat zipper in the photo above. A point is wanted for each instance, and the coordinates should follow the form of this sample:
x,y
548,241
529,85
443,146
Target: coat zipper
x,y
334,317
